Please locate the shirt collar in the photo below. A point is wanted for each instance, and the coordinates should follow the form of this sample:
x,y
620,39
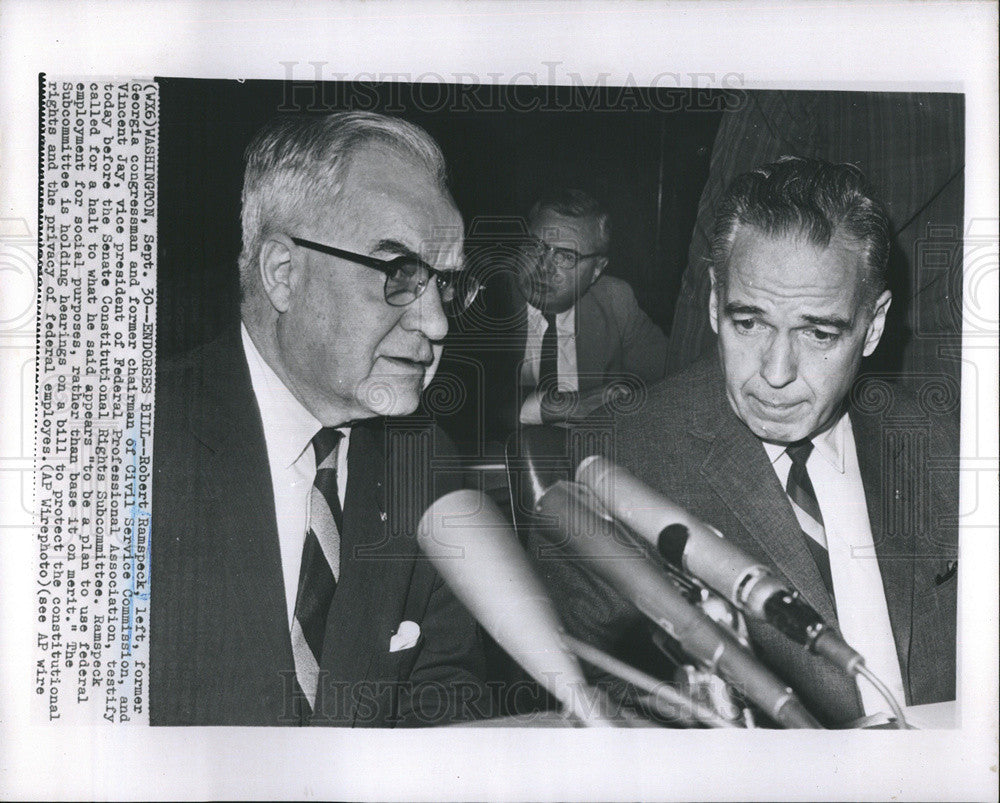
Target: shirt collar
x,y
288,426
829,444
565,321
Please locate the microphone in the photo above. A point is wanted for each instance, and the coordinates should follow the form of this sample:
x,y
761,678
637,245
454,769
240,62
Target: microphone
x,y
595,539
478,555
688,543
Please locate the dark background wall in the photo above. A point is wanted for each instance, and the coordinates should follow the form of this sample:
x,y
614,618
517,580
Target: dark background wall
x,y
644,153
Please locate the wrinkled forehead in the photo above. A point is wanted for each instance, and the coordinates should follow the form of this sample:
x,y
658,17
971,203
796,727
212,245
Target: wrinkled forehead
x,y
579,233
790,264
387,197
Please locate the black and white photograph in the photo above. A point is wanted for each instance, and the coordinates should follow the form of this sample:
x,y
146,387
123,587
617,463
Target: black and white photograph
x,y
554,285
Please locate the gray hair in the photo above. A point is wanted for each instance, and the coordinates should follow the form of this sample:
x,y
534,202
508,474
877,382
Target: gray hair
x,y
810,198
576,204
293,163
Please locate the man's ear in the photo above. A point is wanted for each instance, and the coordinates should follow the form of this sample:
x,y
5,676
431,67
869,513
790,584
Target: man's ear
x,y
602,263
877,325
713,302
276,266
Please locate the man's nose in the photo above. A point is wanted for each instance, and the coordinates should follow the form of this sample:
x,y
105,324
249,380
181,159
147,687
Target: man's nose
x,y
543,267
426,314
779,363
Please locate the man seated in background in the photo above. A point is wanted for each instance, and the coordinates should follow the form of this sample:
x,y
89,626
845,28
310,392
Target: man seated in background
x,y
584,337
847,488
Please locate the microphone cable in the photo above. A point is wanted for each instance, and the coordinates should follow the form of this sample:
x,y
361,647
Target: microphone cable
x,y
882,689
661,692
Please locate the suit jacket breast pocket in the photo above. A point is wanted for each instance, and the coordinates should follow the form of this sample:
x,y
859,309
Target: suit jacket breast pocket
x,y
937,595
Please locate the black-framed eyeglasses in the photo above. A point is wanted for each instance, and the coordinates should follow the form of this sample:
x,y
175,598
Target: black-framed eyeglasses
x,y
406,278
559,258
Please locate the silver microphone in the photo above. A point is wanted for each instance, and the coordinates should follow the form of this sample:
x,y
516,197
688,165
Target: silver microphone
x,y
594,539
478,555
686,542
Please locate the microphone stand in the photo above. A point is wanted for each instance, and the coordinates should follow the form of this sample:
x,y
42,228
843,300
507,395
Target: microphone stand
x,y
663,698
705,686
587,530
713,690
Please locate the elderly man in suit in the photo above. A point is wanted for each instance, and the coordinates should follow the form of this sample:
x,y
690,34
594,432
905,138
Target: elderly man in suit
x,y
581,337
847,487
286,585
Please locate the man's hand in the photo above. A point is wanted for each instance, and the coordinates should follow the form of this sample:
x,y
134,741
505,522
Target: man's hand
x,y
559,406
571,406
553,406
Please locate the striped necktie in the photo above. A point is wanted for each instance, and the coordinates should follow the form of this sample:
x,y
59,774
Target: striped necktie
x,y
320,565
803,498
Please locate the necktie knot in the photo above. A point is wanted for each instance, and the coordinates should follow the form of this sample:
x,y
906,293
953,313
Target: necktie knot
x,y
550,320
325,442
799,452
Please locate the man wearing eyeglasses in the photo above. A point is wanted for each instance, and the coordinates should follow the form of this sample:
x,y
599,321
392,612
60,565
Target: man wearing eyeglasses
x,y
585,335
844,484
286,583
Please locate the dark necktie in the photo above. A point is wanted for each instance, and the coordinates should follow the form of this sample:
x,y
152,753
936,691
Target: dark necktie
x,y
803,497
548,368
320,565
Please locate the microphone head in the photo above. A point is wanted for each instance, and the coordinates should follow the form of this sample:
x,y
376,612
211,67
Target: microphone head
x,y
637,506
698,548
586,530
476,552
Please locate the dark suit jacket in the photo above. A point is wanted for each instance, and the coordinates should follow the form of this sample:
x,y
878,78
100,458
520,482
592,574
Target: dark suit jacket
x,y
686,443
615,340
220,645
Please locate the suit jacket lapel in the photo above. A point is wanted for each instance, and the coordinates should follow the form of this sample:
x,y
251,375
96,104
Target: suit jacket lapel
x,y
738,469
375,566
243,545
592,340
521,331
593,336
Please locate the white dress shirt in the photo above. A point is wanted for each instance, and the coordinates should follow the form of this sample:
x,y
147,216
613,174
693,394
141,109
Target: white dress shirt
x,y
857,582
288,431
531,410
